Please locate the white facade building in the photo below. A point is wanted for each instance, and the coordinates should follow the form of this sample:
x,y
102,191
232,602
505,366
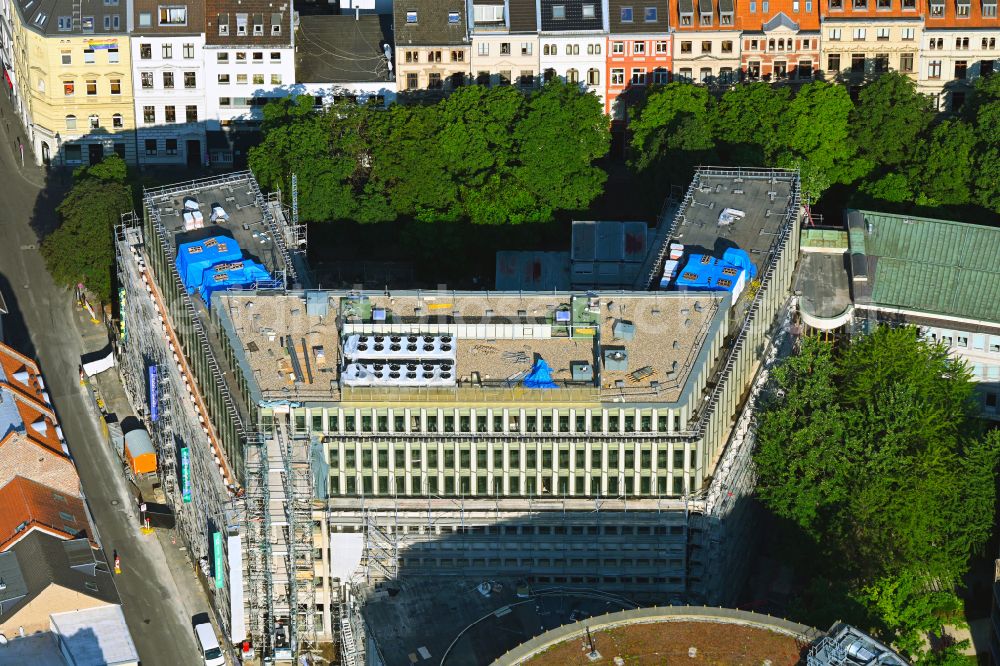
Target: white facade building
x,y
952,59
240,80
575,59
169,83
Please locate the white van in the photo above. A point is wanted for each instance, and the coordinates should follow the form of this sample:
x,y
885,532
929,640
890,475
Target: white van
x,y
209,645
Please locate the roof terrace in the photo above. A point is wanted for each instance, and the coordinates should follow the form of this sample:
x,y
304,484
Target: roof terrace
x,y
637,346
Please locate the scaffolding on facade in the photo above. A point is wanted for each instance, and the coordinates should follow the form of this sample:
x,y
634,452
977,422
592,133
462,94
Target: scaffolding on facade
x,y
299,495
257,547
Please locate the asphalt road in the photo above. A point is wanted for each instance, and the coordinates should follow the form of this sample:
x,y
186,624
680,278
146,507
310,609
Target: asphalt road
x,y
43,323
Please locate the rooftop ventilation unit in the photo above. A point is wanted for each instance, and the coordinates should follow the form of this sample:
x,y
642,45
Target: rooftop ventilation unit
x,y
616,360
582,371
623,330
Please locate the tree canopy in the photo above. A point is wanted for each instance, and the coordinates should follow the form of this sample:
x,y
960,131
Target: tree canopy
x,y
889,146
486,155
876,452
81,249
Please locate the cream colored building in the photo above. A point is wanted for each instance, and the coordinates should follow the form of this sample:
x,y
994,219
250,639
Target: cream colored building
x,y
74,82
952,59
707,56
505,46
852,49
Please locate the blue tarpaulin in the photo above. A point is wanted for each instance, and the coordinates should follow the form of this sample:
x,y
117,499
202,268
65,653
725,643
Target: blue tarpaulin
x,y
738,257
242,273
704,272
193,259
540,376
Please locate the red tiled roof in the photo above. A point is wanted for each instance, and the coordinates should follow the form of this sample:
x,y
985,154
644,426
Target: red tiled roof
x,y
14,363
26,505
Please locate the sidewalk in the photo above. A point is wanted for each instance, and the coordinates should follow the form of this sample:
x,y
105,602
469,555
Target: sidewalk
x,y
164,546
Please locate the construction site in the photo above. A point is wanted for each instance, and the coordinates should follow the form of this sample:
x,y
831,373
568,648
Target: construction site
x,y
373,468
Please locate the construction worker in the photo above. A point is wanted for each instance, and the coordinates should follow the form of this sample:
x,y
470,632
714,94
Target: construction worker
x,y
118,563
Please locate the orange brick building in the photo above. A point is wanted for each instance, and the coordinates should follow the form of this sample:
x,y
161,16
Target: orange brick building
x,y
639,51
780,41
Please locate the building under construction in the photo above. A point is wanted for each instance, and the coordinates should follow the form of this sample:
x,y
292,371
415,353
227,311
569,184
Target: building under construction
x,y
243,503
351,442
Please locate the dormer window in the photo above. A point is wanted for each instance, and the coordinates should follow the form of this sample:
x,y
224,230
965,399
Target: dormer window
x,y
87,24
989,8
275,24
626,14
453,18
725,12
962,8
241,24
836,5
173,15
411,16
589,11
860,4
258,25
705,12
937,8
558,12
650,15
488,13
223,22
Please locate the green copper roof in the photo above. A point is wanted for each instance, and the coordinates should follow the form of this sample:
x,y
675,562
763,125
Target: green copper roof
x,y
933,266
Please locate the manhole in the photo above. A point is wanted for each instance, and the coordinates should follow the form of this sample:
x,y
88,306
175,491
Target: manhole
x,y
114,502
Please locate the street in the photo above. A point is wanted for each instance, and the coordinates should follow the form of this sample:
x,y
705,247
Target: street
x,y
158,589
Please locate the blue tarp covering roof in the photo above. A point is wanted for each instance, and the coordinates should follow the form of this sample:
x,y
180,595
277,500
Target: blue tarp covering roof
x,y
193,259
540,376
704,272
242,273
738,257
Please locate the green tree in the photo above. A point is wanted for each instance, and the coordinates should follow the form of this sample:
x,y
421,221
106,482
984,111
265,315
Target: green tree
x,y
748,119
892,187
878,454
82,249
818,138
944,176
325,150
889,119
556,166
986,106
656,127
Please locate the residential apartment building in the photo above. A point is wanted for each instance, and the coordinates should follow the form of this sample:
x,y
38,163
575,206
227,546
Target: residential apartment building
x,y
780,40
432,45
706,42
44,575
504,42
863,38
573,37
170,89
639,51
959,45
73,72
249,58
